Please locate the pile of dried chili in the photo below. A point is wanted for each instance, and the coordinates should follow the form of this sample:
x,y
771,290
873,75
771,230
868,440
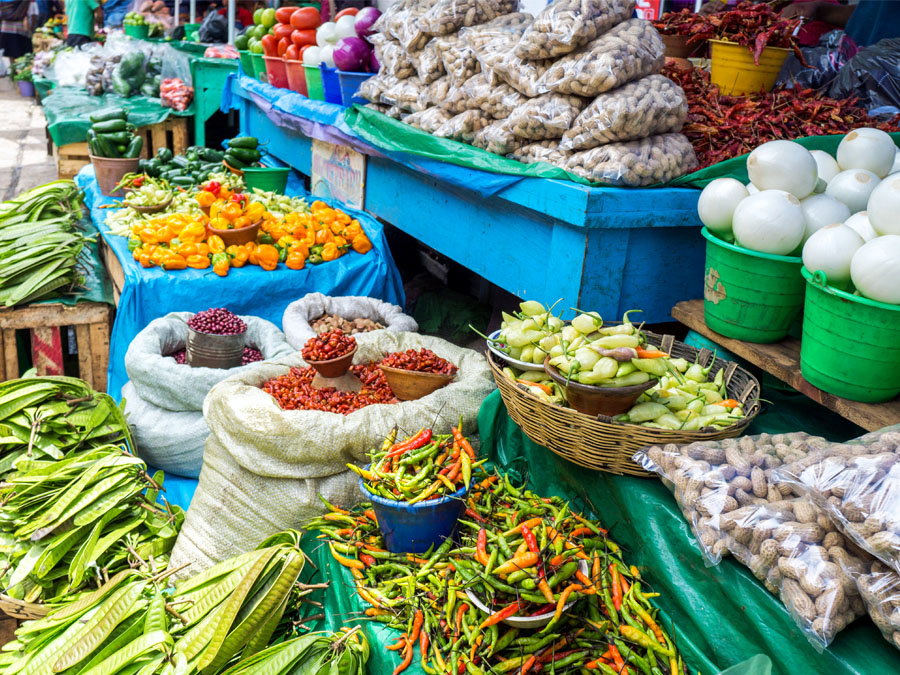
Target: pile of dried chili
x,y
295,391
721,127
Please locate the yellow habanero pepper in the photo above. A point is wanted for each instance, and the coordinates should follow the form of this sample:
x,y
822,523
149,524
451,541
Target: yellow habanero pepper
x,y
330,252
215,243
361,244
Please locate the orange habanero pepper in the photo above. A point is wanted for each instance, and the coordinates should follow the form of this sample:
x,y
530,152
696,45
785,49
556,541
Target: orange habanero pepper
x,y
330,252
267,255
197,262
215,243
361,244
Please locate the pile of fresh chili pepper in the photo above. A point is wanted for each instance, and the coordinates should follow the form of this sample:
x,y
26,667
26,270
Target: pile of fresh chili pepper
x,y
612,629
754,25
423,467
295,391
422,361
722,127
326,346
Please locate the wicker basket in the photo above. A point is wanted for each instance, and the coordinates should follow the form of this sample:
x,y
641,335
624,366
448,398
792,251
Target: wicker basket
x,y
19,609
600,443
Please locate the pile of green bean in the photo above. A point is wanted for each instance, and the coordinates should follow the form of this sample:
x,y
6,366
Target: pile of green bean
x,y
520,554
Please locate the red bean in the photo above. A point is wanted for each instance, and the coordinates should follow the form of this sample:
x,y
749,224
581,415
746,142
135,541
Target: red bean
x,y
217,321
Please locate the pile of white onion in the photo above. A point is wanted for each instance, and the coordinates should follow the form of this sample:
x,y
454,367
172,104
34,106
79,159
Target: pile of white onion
x,y
842,213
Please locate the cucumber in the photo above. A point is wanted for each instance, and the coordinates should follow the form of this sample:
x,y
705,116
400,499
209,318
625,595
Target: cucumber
x,y
244,155
134,147
245,142
234,162
108,115
105,147
110,126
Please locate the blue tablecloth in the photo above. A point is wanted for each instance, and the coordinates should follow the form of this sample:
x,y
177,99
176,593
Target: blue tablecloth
x,y
152,293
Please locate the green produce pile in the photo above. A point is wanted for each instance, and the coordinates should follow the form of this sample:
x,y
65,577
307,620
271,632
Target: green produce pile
x,y
195,166
40,243
135,19
343,653
138,622
243,151
112,136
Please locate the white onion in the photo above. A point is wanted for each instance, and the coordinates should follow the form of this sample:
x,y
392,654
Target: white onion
x,y
830,250
853,187
822,210
346,26
884,206
326,34
751,188
896,167
869,149
860,222
770,221
312,57
718,201
875,269
783,165
827,165
326,54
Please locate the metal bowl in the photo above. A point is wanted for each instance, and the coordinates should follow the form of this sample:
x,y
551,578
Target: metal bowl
x,y
527,621
515,363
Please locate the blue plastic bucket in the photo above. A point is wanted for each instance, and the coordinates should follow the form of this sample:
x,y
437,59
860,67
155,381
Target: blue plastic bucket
x,y
350,85
331,85
414,528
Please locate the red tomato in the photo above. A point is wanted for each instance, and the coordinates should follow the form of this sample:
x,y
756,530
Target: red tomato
x,y
350,11
269,45
306,18
302,38
283,14
292,53
283,31
283,44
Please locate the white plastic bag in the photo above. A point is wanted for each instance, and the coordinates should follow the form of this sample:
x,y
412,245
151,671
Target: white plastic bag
x,y
159,380
879,586
566,25
301,313
657,159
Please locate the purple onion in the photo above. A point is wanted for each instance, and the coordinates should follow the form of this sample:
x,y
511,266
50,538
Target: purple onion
x,y
365,21
374,65
217,321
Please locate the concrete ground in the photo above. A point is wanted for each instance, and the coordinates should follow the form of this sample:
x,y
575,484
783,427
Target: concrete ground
x,y
24,162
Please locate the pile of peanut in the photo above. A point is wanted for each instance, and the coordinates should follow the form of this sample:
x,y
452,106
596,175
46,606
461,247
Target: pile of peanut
x,y
329,322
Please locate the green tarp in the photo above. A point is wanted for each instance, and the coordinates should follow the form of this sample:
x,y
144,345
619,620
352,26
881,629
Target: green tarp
x,y
67,110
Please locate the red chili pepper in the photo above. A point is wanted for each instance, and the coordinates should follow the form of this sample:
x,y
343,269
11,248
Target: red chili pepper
x,y
480,545
367,559
616,586
499,615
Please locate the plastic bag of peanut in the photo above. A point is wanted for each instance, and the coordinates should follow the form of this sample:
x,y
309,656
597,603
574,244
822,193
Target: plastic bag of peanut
x,y
429,120
404,94
879,587
448,16
858,486
371,88
435,93
478,93
393,58
657,159
465,126
649,106
546,117
493,42
627,52
457,58
498,138
545,151
377,107
800,556
396,112
566,25
428,62
404,26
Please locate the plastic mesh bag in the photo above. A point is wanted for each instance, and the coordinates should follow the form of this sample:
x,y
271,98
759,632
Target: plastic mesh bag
x,y
498,138
858,485
546,117
879,587
629,51
657,159
448,16
377,107
566,25
393,58
545,151
649,106
429,120
404,94
428,62
464,126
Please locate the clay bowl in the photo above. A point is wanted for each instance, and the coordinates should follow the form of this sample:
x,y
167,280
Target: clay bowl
x,y
592,400
332,368
232,169
156,208
409,385
237,236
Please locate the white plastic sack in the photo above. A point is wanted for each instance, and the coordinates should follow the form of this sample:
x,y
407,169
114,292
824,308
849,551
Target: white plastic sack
x,y
178,387
264,466
301,313
167,440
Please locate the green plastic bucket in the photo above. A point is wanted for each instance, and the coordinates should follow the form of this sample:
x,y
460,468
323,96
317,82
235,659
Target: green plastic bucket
x,y
268,178
259,67
851,345
139,32
247,62
750,296
314,88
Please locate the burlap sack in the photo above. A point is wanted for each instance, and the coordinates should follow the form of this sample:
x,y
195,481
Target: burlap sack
x,y
264,467
178,387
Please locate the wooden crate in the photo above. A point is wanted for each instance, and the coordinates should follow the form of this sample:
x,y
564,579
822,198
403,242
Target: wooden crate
x,y
171,133
91,321
8,625
114,269
70,158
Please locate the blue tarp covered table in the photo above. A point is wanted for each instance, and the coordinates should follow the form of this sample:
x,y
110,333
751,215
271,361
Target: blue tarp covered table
x,y
151,293
606,249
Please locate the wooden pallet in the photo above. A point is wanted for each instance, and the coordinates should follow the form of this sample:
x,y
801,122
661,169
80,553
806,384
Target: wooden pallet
x,y
91,322
782,360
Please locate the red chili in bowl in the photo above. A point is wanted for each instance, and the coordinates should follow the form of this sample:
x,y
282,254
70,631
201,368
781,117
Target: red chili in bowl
x,y
294,391
422,361
330,345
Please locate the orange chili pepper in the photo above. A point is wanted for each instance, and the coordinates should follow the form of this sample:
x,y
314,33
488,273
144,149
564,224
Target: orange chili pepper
x,y
216,244
324,236
295,262
221,268
517,562
202,248
145,260
197,262
330,252
187,249
267,255
361,244
232,210
242,221
205,198
173,261
240,257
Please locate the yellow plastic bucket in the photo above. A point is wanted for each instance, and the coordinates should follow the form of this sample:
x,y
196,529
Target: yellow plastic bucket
x,y
735,73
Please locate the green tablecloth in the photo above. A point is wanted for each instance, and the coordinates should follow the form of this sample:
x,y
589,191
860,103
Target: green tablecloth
x,y
67,110
43,87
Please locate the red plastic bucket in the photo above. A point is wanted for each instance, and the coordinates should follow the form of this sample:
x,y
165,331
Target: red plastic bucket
x,y
277,71
296,76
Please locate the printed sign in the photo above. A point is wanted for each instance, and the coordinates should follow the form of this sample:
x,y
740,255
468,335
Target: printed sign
x,y
338,172
648,9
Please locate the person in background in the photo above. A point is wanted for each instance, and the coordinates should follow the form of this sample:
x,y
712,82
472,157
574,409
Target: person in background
x,y
15,39
242,14
80,16
866,22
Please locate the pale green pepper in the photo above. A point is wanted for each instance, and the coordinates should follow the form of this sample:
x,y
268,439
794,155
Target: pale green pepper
x,y
655,367
626,368
614,341
606,368
643,412
532,308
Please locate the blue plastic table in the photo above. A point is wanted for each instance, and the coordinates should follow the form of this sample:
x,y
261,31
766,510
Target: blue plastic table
x,y
607,249
151,293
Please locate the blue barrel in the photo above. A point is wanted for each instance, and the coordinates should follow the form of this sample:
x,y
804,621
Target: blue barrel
x,y
414,528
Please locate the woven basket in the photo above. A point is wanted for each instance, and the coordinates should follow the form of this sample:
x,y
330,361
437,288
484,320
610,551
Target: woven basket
x,y
19,609
599,443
